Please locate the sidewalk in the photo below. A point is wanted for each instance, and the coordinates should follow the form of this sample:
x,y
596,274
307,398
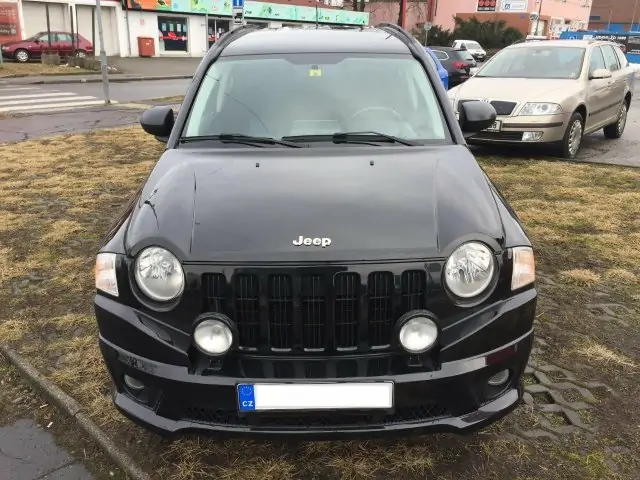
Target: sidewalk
x,y
133,68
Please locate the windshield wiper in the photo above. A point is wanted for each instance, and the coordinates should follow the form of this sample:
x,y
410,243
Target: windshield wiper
x,y
353,137
240,138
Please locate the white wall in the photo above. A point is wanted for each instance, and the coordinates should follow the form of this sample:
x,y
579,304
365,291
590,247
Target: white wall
x,y
35,17
109,27
145,24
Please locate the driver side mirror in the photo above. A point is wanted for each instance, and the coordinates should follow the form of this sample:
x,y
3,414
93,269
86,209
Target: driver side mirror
x,y
37,41
600,73
475,116
158,121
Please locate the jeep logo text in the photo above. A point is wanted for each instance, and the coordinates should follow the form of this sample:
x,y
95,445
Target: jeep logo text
x,y
318,242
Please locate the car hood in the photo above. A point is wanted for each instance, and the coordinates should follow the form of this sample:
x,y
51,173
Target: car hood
x,y
517,89
249,205
14,43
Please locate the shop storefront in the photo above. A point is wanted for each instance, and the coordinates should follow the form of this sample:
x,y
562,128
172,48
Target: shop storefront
x,y
190,27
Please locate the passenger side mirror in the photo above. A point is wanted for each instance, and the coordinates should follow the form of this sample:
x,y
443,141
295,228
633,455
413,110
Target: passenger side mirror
x,y
600,73
475,116
158,121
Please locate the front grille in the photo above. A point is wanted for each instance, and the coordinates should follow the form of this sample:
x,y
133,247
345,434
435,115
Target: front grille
x,y
504,135
501,107
415,413
315,312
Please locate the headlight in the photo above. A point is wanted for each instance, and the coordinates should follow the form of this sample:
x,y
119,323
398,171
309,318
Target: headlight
x,y
469,270
213,337
159,274
541,109
524,267
418,334
105,273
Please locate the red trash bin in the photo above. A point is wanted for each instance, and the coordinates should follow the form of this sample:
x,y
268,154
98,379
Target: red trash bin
x,y
146,47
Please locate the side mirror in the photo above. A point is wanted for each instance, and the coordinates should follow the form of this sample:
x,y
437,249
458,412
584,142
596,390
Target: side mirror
x,y
158,121
600,73
476,115
37,41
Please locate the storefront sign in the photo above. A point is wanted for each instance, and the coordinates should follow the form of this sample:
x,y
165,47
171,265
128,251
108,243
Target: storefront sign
x,y
621,40
486,6
9,23
258,10
514,5
633,45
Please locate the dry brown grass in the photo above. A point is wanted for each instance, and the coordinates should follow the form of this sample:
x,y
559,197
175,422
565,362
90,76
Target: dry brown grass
x,y
59,195
12,69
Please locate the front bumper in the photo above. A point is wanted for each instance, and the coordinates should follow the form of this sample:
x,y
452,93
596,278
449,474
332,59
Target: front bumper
x,y
550,129
455,397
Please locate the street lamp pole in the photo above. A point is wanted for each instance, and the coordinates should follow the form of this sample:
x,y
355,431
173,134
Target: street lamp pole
x,y
103,55
538,19
633,17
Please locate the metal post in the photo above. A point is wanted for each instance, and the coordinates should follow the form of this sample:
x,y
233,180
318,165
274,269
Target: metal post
x,y
103,56
93,29
609,22
206,30
633,17
538,19
73,41
46,5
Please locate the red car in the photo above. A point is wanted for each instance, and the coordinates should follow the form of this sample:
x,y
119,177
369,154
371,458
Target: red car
x,y
34,46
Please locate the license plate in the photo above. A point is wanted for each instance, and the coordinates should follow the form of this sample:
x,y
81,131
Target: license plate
x,y
496,127
314,396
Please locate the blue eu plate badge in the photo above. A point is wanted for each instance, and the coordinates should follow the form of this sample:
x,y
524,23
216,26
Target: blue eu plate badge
x,y
246,398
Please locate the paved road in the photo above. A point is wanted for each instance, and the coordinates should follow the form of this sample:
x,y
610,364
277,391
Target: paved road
x,y
29,99
28,452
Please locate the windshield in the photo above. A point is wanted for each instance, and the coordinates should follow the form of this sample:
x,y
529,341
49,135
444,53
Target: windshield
x,y
290,95
473,45
540,61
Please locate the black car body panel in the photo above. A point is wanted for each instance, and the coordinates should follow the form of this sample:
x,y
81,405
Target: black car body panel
x,y
456,75
191,204
309,314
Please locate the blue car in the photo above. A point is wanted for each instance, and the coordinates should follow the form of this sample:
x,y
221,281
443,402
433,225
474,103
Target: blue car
x,y
444,75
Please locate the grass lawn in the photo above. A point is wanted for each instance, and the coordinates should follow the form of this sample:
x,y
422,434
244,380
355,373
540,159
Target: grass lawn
x,y
59,195
14,69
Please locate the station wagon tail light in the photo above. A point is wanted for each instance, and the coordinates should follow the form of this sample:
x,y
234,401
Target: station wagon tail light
x,y
541,109
470,270
105,273
524,268
158,274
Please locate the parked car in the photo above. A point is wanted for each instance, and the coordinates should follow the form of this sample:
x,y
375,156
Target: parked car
x,y
458,63
444,75
368,278
473,47
552,92
34,46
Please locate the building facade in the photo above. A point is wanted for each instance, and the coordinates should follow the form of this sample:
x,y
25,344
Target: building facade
x,y
164,27
615,15
555,15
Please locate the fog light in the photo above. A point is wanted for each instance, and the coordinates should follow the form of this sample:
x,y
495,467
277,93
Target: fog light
x,y
531,136
213,337
418,335
133,384
499,378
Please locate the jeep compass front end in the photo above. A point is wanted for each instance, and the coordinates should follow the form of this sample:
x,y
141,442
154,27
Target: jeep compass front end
x,y
324,260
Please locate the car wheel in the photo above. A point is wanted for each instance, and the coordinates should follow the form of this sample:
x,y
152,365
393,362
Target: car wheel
x,y
81,53
616,129
22,55
570,144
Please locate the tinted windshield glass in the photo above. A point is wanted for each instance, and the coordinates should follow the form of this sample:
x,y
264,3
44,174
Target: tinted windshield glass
x,y
279,96
473,45
535,62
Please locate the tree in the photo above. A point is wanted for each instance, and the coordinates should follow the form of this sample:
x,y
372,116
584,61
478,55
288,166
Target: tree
x,y
490,34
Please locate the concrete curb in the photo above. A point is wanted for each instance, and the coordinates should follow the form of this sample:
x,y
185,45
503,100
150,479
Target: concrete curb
x,y
92,79
70,406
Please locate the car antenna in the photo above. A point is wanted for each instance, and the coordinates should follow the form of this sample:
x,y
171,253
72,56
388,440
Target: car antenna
x,y
316,14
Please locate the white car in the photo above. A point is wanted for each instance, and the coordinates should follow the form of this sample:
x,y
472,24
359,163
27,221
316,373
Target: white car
x,y
473,47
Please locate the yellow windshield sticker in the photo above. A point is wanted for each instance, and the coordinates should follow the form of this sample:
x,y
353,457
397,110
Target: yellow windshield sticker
x,y
315,71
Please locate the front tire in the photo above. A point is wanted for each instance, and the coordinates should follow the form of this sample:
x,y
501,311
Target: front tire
x,y
616,129
570,144
21,55
81,54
